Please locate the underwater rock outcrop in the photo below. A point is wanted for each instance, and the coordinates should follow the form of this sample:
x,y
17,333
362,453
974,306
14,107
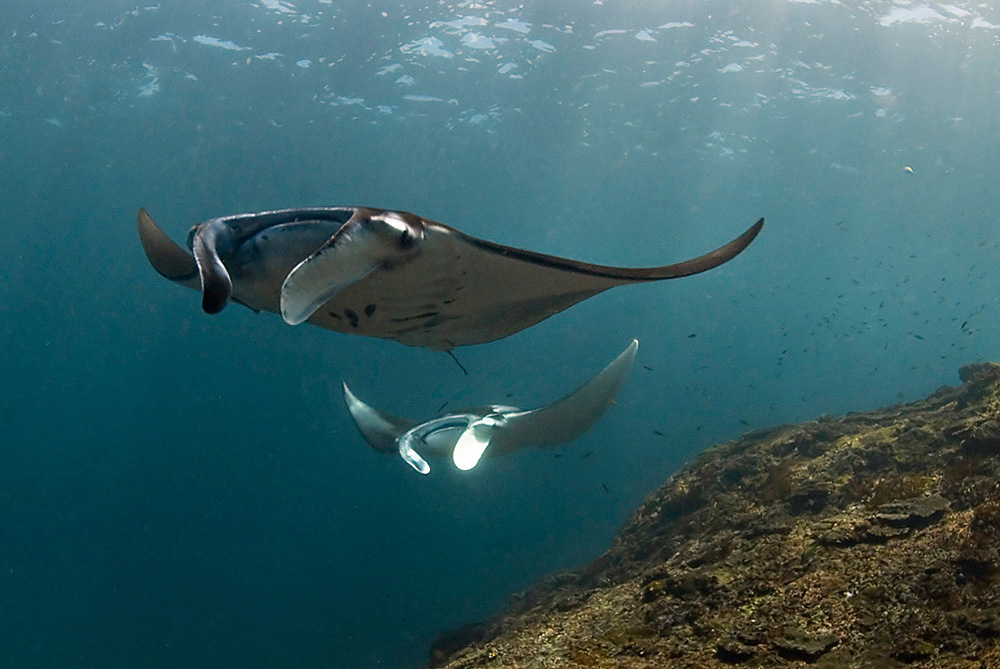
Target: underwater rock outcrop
x,y
871,540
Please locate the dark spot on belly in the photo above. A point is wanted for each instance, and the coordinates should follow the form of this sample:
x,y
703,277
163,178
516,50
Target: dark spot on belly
x,y
369,310
404,319
426,326
351,316
334,314
447,301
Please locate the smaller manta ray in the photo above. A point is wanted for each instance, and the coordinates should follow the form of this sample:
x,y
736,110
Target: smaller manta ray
x,y
468,433
388,274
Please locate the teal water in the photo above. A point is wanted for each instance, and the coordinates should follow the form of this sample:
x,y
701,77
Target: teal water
x,y
184,490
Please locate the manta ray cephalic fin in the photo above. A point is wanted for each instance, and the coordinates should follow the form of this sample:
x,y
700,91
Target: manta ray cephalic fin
x,y
365,243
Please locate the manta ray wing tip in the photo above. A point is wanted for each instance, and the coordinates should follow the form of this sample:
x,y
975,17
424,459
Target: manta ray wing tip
x,y
167,258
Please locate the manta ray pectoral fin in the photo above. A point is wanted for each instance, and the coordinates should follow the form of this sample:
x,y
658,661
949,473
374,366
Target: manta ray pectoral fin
x,y
568,418
166,257
367,241
705,262
379,429
473,442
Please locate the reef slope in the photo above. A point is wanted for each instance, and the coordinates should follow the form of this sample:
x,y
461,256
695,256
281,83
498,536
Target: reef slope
x,y
864,541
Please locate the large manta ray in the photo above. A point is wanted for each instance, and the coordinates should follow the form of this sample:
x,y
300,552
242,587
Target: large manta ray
x,y
466,434
388,274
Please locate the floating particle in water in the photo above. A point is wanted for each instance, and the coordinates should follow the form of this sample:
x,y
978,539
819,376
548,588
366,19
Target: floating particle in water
x,y
461,24
477,41
208,40
150,88
427,46
541,46
423,98
278,6
922,14
515,25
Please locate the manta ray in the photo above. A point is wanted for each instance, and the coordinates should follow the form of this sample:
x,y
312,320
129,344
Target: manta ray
x,y
468,433
388,274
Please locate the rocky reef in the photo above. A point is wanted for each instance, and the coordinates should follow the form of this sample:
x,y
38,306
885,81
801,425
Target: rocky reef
x,y
871,540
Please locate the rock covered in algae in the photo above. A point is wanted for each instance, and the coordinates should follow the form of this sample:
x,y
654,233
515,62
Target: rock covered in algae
x,y
872,540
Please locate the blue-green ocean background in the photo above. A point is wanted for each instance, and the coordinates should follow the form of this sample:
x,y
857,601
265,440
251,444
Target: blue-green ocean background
x,y
184,490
